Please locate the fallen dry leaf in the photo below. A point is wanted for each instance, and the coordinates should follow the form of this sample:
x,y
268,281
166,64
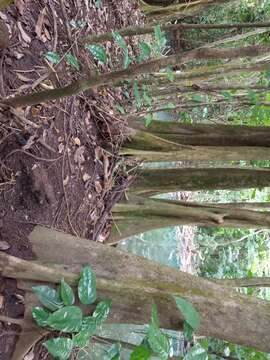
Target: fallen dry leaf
x,y
78,156
39,24
86,177
2,301
20,5
98,187
25,37
4,246
77,141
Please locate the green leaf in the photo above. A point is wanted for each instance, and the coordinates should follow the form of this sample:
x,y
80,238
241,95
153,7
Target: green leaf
x,y
127,59
82,338
146,98
67,319
145,51
48,297
158,342
170,106
170,74
102,310
148,119
59,348
137,95
190,314
89,324
120,109
87,289
98,52
114,352
227,95
120,40
67,294
53,57
154,316
160,39
141,352
40,315
196,353
252,96
73,61
197,98
188,331
98,4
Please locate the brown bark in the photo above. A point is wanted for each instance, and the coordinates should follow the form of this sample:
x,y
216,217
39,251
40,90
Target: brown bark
x,y
139,215
136,70
245,282
158,181
225,314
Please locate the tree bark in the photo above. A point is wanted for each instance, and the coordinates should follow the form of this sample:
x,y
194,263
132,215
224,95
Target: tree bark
x,y
134,71
158,181
139,215
225,314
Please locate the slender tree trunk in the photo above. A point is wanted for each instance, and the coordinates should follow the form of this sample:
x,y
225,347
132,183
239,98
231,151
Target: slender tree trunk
x,y
136,70
158,181
225,314
139,215
143,30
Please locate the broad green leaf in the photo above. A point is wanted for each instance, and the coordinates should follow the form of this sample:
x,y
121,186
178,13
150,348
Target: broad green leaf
x,y
190,314
170,74
67,294
98,4
148,119
145,51
146,98
141,352
127,59
170,106
89,324
48,297
188,331
158,342
102,310
197,98
137,95
98,52
120,40
73,61
252,96
227,95
53,57
60,348
120,109
160,39
114,352
154,317
87,290
67,319
196,353
40,315
82,338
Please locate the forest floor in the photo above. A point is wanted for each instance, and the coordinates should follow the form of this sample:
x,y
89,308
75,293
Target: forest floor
x,y
58,161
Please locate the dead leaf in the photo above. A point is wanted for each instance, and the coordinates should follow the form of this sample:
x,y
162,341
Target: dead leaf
x,y
39,24
22,77
2,301
61,148
30,355
86,177
77,141
18,55
30,142
25,37
98,187
4,246
66,180
20,5
78,156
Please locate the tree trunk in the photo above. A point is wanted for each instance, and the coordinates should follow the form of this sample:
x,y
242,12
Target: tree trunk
x,y
139,215
225,314
136,70
158,181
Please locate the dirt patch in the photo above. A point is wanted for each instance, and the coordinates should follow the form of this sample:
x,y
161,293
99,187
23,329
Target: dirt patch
x,y
58,161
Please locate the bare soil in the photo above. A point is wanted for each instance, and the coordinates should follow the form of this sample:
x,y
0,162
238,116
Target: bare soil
x,y
58,161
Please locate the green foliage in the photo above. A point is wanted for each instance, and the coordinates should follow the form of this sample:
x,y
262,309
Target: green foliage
x,y
190,314
197,352
72,61
160,40
53,57
114,352
98,52
60,348
67,318
141,352
67,294
87,286
48,297
145,51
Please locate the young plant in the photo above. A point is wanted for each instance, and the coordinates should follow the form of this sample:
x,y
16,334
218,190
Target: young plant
x,y
60,314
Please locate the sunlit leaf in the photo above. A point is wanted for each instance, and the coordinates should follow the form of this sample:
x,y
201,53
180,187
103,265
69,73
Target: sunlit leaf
x,y
196,353
82,338
158,342
190,314
98,52
40,315
53,57
141,352
73,61
67,319
89,324
148,119
188,331
60,348
145,51
48,297
120,40
67,294
87,291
